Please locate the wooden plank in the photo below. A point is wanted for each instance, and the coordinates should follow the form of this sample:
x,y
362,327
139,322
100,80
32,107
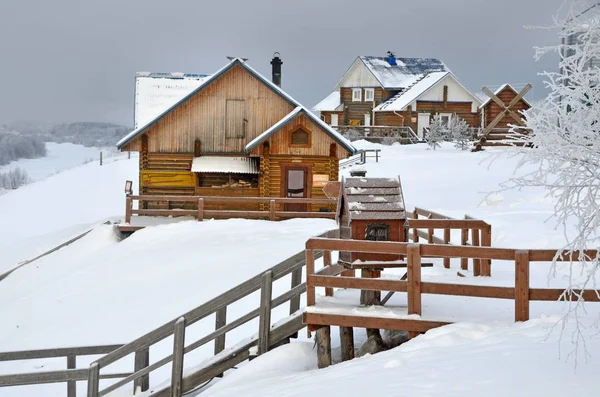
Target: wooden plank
x,y
368,284
486,241
555,294
332,270
296,281
173,212
384,247
71,385
446,224
220,321
310,270
45,377
521,285
476,261
141,361
264,324
177,368
93,383
440,251
481,291
323,342
548,255
290,214
272,216
398,324
464,237
427,213
327,263
56,353
200,209
347,343
128,208
447,241
414,279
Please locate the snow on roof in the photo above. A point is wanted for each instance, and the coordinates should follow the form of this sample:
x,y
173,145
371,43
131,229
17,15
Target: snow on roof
x,y
406,72
223,164
497,92
405,98
330,131
331,103
374,198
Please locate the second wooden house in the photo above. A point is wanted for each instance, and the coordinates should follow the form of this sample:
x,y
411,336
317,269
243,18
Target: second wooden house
x,y
237,135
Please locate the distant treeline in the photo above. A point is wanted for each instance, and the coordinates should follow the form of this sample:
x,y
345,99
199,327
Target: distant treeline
x,y
14,147
89,134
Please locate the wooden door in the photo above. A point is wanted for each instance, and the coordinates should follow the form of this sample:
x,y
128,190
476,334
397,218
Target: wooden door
x,y
423,121
295,186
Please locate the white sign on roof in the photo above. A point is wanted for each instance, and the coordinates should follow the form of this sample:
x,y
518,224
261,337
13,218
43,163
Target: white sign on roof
x,y
156,92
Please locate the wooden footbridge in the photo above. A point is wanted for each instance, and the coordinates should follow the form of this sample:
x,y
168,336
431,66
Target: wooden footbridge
x,y
471,247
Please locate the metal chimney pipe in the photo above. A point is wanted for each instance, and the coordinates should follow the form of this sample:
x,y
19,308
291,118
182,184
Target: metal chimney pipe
x,y
276,64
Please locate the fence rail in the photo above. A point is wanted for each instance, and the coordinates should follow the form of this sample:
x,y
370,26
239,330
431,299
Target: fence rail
x,y
361,157
200,213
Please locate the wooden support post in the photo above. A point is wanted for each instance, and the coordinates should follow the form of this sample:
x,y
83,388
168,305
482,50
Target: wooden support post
x,y
416,235
377,155
141,361
71,385
414,281
327,262
100,158
464,238
447,241
521,285
200,209
486,241
310,270
177,368
476,261
93,380
347,343
323,341
220,321
264,322
296,281
272,210
128,208
430,231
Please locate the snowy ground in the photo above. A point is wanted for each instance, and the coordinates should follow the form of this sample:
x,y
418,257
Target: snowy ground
x,y
100,290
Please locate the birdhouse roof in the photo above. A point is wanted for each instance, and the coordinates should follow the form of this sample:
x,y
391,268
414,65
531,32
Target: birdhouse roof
x,y
373,198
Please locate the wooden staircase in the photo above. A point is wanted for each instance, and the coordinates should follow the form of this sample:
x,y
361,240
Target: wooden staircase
x,y
499,137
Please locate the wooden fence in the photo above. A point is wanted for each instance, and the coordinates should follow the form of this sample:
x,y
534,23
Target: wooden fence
x,y
521,293
200,213
423,223
361,157
70,375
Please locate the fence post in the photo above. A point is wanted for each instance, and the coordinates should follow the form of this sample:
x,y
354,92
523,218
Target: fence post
x,y
200,209
377,155
93,380
296,281
476,261
327,262
271,210
464,238
128,208
220,321
141,361
71,385
521,285
414,281
447,241
310,270
177,369
486,241
430,231
100,158
264,322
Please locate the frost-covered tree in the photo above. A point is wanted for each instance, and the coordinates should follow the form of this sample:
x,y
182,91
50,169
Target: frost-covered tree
x,y
438,132
565,139
459,132
14,179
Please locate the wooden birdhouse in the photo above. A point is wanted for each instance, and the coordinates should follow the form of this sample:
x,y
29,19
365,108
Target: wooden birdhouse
x,y
372,209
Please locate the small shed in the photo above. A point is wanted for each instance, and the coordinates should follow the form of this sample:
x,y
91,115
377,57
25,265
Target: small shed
x,y
372,209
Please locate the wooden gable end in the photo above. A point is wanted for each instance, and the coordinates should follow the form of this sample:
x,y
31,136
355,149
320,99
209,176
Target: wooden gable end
x,y
282,142
492,109
224,116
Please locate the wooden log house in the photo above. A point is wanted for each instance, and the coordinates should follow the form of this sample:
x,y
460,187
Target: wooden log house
x,y
237,135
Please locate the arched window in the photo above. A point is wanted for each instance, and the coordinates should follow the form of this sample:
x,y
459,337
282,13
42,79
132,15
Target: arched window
x,y
300,137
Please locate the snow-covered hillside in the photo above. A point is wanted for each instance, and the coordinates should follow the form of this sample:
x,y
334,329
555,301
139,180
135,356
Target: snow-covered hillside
x,y
127,287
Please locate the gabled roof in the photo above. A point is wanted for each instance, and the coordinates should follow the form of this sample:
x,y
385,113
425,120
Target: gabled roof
x,y
498,91
404,73
237,61
332,103
299,110
403,99
373,199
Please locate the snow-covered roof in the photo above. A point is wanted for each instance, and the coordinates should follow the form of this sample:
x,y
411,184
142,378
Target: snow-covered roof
x,y
374,198
497,92
225,164
238,61
291,116
404,73
331,103
405,98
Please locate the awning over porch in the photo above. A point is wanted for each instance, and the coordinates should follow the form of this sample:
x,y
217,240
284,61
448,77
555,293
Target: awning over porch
x,y
226,165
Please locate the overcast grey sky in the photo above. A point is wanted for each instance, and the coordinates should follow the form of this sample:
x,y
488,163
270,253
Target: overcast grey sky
x,y
75,60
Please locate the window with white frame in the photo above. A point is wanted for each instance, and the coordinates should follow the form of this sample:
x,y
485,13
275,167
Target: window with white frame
x,y
446,119
356,95
369,94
